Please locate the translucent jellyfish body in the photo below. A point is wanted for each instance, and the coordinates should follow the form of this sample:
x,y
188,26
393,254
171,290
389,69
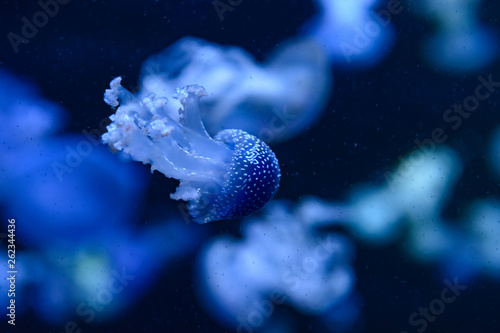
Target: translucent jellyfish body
x,y
461,43
274,100
352,33
232,175
281,259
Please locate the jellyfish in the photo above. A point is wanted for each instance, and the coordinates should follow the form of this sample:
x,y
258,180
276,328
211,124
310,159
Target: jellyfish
x,y
274,100
352,33
461,43
228,176
280,259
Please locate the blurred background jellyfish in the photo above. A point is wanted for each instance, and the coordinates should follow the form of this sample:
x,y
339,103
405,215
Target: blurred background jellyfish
x,y
281,260
484,229
273,101
25,116
352,32
72,185
461,43
98,276
70,191
409,205
426,177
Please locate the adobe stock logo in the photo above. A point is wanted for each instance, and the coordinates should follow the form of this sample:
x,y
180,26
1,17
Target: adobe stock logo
x,y
76,154
221,7
281,119
436,307
367,34
29,30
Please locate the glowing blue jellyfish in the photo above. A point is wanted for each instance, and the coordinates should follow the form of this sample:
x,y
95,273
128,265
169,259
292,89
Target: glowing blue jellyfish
x,y
232,175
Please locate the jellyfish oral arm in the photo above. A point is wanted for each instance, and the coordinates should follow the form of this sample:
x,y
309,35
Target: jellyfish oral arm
x,y
144,130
